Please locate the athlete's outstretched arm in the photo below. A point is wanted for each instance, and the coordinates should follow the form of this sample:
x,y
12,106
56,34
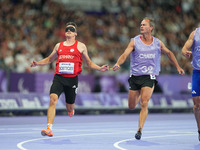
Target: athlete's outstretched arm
x,y
123,57
48,59
188,44
88,60
172,58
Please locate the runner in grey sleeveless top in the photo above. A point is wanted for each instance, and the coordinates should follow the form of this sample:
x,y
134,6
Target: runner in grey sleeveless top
x,y
196,50
193,43
148,54
145,51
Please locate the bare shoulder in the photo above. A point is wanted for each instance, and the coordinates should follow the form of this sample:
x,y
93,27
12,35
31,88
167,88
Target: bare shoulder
x,y
132,42
81,47
131,45
58,44
56,47
192,34
163,47
162,44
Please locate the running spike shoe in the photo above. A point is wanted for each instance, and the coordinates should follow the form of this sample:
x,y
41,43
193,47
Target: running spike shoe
x,y
71,114
47,132
138,135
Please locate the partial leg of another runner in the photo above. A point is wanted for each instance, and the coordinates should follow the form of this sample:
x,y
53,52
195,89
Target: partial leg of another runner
x,y
196,110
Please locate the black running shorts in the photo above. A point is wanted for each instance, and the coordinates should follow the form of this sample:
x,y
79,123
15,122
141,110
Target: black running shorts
x,y
137,82
68,85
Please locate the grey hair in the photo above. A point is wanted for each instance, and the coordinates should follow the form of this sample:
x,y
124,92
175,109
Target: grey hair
x,y
151,22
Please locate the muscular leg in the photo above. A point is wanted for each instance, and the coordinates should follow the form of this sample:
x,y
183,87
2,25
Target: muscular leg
x,y
52,108
50,115
146,93
196,110
133,98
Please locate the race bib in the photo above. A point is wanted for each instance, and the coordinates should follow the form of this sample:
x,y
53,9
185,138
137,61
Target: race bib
x,y
66,68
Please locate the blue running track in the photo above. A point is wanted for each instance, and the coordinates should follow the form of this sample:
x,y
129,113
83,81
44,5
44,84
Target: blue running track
x,y
100,132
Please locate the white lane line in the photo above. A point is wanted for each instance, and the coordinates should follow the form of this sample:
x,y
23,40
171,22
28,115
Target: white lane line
x,y
20,145
116,144
60,130
17,133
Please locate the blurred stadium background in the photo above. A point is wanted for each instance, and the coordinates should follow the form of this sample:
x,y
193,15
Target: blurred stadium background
x,y
29,30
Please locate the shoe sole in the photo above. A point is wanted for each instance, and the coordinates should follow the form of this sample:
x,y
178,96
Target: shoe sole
x,y
44,133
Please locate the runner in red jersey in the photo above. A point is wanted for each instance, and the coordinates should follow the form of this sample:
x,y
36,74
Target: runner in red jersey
x,y
68,67
69,60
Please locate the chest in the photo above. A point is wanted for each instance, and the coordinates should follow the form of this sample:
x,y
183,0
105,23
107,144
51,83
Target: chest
x,y
67,50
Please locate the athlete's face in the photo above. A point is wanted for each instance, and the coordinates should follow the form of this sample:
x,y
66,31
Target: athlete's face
x,y
70,31
145,27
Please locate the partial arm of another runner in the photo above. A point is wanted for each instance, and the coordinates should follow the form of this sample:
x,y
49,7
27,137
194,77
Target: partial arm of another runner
x,y
188,44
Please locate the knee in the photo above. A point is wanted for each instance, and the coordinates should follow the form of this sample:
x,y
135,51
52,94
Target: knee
x,y
131,106
144,104
196,106
53,100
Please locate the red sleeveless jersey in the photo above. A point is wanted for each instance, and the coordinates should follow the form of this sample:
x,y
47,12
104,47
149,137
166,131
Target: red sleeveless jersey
x,y
69,60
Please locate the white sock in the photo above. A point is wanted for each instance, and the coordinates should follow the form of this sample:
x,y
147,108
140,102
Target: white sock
x,y
50,125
